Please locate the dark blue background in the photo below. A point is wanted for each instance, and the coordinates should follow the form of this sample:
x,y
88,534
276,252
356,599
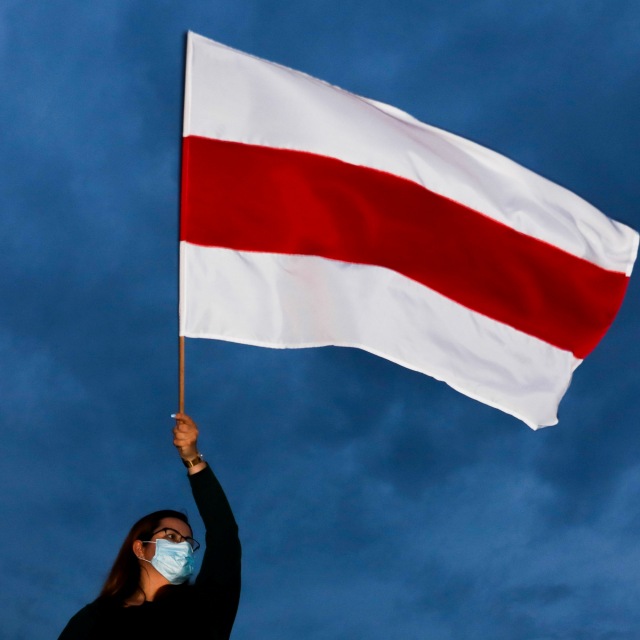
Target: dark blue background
x,y
373,502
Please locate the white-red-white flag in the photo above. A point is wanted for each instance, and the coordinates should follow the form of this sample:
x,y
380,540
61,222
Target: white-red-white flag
x,y
311,216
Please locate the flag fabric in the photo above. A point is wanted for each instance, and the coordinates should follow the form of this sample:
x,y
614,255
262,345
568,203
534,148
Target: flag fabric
x,y
311,216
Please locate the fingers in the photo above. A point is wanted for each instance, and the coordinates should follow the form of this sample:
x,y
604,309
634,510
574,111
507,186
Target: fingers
x,y
183,418
185,433
184,424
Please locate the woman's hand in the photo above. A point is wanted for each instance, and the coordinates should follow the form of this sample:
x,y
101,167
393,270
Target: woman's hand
x,y
185,436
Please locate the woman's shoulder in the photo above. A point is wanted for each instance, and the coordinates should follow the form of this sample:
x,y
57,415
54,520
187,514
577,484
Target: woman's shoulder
x,y
86,619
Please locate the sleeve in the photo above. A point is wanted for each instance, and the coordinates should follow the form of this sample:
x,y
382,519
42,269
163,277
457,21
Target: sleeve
x,y
219,577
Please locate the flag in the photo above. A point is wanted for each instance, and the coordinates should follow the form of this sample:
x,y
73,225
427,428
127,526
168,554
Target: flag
x,y
311,216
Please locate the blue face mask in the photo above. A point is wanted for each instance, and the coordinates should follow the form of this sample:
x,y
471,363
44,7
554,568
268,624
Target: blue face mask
x,y
173,560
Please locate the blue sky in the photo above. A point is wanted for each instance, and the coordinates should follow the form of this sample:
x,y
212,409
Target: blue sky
x,y
373,502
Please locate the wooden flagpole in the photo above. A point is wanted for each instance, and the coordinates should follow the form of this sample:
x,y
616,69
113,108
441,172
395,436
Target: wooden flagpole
x,y
181,376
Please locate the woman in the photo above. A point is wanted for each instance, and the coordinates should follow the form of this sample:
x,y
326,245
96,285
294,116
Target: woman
x,y
147,591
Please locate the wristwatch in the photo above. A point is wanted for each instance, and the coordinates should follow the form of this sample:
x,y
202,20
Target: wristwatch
x,y
193,462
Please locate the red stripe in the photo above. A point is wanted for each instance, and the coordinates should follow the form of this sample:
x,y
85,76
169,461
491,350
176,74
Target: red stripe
x,y
255,198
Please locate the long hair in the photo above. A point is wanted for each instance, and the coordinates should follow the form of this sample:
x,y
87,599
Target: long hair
x,y
124,578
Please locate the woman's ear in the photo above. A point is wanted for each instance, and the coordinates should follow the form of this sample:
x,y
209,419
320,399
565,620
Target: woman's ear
x,y
138,549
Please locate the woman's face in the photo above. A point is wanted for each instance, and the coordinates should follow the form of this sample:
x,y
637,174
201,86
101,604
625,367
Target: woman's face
x,y
172,529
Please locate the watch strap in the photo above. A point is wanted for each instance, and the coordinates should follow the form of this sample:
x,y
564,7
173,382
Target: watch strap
x,y
193,461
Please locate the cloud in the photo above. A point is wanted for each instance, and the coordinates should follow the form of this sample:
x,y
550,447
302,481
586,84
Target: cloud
x,y
373,501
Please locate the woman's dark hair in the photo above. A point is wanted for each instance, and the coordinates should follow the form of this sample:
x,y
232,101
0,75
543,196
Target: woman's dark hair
x,y
124,578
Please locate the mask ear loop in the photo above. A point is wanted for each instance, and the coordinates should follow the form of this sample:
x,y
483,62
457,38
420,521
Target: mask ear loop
x,y
142,557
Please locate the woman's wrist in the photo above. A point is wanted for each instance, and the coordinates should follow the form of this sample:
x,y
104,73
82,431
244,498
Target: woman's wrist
x,y
194,463
192,460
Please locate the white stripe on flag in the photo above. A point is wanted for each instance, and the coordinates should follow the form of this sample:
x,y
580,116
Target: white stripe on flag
x,y
283,301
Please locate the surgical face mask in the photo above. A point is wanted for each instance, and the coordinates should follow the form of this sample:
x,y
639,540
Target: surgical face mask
x,y
173,560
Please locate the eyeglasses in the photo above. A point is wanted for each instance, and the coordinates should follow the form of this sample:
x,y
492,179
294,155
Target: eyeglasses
x,y
173,536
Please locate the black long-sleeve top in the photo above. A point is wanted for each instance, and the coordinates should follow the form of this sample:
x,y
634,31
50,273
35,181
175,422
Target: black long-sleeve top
x,y
206,609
